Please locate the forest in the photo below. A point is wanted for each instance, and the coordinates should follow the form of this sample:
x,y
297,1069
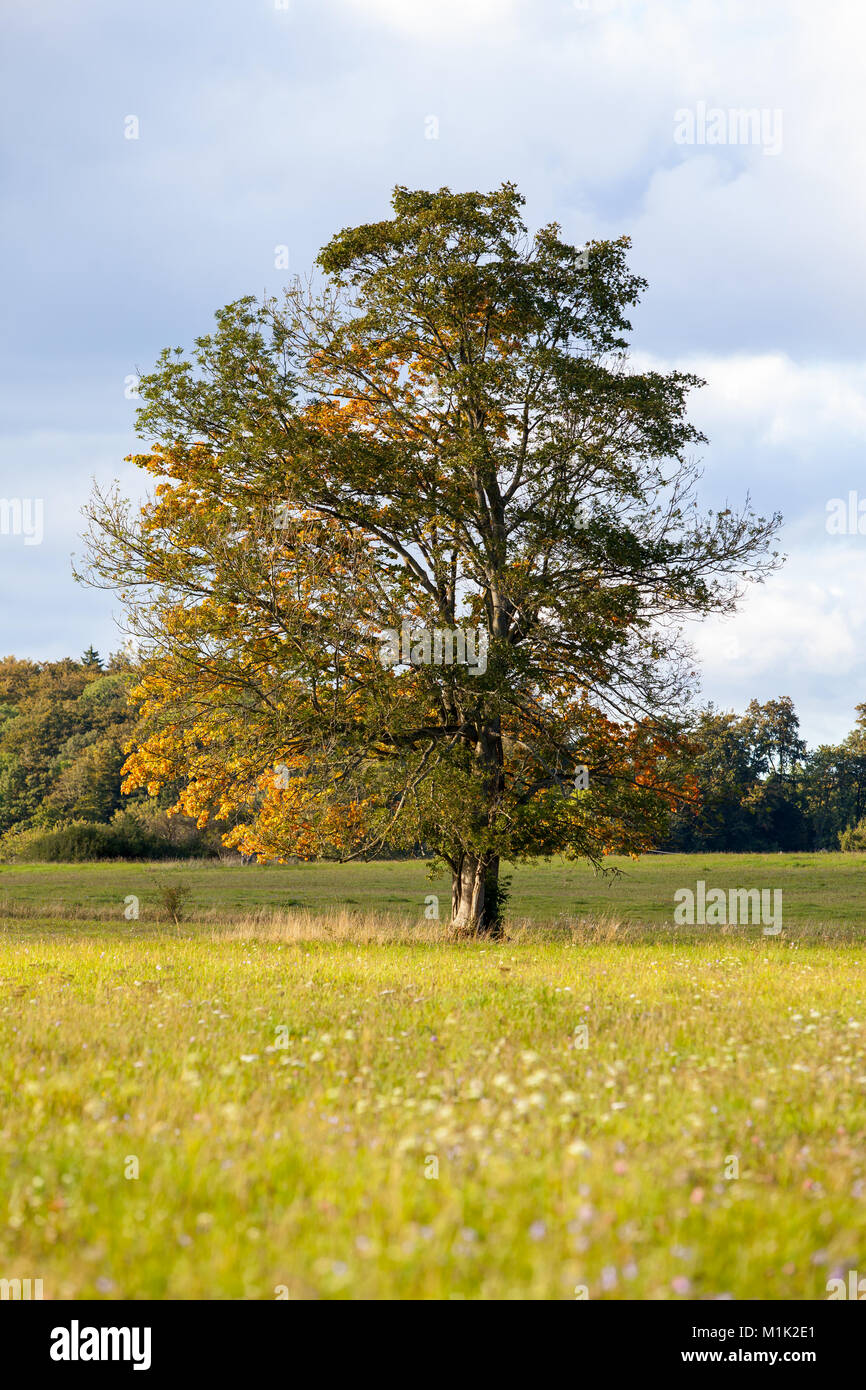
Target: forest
x,y
66,728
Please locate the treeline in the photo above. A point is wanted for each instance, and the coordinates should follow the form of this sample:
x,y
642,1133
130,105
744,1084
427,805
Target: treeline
x,y
761,789
64,727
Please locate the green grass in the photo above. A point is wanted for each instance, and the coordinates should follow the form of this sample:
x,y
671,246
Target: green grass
x,y
821,888
285,1087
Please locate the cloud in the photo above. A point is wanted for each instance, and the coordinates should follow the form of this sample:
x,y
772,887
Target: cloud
x,y
791,433
797,634
46,615
262,127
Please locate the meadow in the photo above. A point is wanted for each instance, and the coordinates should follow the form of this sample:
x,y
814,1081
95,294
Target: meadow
x,y
818,889
304,1089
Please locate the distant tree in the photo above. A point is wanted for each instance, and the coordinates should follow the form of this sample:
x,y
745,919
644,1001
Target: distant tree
x,y
725,768
773,731
748,769
834,786
40,718
64,727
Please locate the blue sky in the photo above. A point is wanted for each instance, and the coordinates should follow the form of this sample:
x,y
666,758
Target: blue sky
x,y
261,125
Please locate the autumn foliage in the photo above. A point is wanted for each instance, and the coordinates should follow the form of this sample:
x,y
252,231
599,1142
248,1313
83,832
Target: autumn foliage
x,y
442,433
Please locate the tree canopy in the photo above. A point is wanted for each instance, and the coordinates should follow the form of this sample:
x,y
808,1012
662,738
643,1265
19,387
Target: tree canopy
x,y
441,433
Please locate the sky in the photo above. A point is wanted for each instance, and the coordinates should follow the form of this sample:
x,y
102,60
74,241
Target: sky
x,y
154,158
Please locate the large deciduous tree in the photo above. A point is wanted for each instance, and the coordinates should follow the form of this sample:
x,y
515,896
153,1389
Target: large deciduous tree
x,y
440,432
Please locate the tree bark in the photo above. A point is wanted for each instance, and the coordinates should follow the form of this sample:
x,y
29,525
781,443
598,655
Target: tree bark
x,y
474,895
476,906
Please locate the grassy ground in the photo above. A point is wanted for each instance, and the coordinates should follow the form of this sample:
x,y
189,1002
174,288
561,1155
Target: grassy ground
x,y
828,889
338,1102
352,1108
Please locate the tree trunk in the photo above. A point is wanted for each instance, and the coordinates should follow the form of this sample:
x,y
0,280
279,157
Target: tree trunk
x,y
475,897
476,907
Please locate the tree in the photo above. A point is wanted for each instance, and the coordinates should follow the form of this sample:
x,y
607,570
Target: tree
x,y
41,714
773,731
64,728
442,436
748,770
834,786
723,763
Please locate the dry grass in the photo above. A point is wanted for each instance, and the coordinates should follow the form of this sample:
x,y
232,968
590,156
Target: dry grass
x,y
266,923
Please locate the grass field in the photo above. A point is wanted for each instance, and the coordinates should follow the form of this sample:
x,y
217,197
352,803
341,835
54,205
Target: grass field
x,y
352,1106
821,889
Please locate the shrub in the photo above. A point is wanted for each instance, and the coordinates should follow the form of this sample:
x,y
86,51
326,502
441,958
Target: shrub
x,y
74,842
173,897
854,838
127,836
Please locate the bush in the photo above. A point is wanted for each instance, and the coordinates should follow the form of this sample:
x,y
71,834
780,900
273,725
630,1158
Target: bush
x,y
173,898
179,834
77,841
854,838
127,836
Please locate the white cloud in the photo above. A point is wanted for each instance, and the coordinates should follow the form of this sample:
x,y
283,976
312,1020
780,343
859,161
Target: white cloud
x,y
786,402
265,127
797,634
791,433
